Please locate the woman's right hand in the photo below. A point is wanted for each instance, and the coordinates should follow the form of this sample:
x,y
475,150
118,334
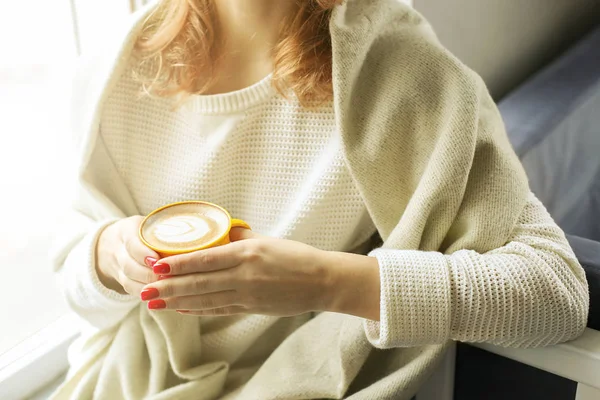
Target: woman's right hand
x,y
123,263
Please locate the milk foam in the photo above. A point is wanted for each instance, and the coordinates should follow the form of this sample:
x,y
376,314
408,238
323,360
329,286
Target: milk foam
x,y
181,228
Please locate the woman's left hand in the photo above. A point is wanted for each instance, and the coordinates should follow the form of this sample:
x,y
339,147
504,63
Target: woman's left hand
x,y
253,274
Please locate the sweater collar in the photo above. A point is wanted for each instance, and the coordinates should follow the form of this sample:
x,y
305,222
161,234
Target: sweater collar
x,y
105,70
232,102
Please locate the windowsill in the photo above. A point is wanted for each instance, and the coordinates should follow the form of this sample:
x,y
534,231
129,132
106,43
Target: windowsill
x,y
578,360
38,361
46,391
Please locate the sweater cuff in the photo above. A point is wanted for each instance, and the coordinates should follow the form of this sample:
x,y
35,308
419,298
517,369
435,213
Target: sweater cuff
x,y
415,299
86,295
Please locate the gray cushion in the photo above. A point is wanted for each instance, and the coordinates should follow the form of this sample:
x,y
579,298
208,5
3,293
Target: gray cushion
x,y
553,122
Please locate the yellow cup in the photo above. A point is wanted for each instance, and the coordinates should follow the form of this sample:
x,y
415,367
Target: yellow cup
x,y
181,216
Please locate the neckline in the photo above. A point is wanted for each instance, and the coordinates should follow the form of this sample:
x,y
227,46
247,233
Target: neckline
x,y
231,102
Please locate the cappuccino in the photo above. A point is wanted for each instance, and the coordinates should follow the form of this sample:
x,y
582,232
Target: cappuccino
x,y
184,227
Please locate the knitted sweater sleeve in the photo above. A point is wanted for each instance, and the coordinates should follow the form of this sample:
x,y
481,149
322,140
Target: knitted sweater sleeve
x,y
74,261
530,292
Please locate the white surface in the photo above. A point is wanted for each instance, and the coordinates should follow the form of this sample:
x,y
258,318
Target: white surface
x,y
47,390
38,361
32,159
35,32
585,392
578,360
440,386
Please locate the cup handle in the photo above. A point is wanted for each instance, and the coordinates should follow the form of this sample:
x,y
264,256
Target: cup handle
x,y
238,223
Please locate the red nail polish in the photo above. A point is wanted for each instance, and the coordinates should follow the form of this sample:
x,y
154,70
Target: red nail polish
x,y
161,277
156,304
149,294
161,268
150,261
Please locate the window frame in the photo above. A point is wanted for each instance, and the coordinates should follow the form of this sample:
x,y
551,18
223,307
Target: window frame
x,y
41,358
38,360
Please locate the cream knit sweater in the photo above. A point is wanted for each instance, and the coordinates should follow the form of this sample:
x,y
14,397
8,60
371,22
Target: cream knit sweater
x,y
469,253
264,158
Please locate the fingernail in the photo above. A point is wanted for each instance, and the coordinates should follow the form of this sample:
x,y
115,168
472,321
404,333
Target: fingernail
x,y
150,261
161,277
149,294
156,304
161,268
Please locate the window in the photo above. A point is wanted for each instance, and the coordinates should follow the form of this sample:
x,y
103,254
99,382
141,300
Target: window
x,y
38,48
40,41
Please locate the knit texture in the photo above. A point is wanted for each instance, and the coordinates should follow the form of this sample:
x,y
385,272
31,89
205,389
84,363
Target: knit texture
x,y
468,253
266,159
535,274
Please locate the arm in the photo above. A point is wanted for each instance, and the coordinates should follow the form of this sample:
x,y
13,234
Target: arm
x,y
530,292
74,262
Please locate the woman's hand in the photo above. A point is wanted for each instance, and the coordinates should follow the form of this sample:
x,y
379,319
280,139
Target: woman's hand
x,y
259,275
262,275
123,262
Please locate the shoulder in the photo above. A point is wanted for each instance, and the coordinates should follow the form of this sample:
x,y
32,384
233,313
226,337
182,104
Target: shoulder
x,y
394,82
386,45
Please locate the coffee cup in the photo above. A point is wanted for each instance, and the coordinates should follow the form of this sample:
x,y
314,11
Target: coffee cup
x,y
187,226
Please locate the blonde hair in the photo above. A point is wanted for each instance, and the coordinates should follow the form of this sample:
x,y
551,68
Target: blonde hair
x,y
177,51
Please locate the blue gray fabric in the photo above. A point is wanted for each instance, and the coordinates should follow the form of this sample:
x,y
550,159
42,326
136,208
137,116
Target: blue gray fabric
x,y
553,122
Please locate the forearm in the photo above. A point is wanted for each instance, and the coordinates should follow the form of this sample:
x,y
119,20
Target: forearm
x,y
354,286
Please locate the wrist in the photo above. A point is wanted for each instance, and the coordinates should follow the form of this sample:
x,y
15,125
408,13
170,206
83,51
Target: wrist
x,y
353,285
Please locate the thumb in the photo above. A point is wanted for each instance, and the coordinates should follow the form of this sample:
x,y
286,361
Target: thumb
x,y
242,234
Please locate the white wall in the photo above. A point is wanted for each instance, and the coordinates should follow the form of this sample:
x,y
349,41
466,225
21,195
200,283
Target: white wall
x,y
505,41
35,32
38,50
95,17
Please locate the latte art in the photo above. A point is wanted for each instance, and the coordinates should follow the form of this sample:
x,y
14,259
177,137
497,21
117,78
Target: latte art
x,y
185,227
181,228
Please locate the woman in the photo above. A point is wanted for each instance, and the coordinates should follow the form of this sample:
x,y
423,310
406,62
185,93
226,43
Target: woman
x,y
324,124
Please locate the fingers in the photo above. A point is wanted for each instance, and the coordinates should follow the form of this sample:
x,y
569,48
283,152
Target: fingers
x,y
134,271
139,252
194,284
130,260
137,259
233,310
131,287
201,302
213,259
